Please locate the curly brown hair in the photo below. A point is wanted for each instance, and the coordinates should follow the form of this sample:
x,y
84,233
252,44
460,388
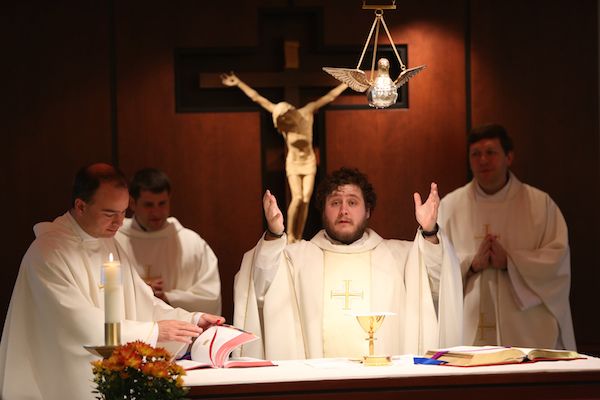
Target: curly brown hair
x,y
346,176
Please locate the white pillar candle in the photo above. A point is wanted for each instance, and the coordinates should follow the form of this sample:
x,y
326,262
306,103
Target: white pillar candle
x,y
113,290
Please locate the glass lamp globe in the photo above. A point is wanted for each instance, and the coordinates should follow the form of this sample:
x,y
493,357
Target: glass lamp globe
x,y
383,93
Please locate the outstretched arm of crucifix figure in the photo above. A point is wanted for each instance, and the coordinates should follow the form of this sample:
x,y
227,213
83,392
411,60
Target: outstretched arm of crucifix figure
x,y
313,106
231,79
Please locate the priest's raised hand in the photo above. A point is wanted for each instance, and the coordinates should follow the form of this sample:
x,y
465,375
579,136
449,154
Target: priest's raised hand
x,y
273,216
427,213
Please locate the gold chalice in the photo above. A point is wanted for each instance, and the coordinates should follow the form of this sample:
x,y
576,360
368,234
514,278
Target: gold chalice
x,y
150,274
370,323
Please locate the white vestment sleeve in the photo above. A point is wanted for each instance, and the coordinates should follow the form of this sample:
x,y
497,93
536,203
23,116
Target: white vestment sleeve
x,y
426,330
148,330
204,294
265,264
547,270
432,258
524,297
246,314
275,319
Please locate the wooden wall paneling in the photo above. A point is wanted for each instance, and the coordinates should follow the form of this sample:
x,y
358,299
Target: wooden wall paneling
x,y
223,201
533,72
55,113
215,169
213,159
534,68
403,151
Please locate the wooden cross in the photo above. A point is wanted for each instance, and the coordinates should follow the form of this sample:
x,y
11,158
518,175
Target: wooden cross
x,y
347,294
289,27
291,79
481,326
284,65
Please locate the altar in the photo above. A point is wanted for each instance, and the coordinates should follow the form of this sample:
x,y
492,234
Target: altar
x,y
343,379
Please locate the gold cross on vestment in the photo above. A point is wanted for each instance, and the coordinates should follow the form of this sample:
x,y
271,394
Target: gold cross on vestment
x,y
486,228
481,326
346,293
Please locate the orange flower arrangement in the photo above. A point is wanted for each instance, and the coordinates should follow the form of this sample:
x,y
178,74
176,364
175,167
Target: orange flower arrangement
x,y
139,371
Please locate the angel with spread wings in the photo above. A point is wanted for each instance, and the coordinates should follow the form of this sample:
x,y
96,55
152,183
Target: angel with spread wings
x,y
381,91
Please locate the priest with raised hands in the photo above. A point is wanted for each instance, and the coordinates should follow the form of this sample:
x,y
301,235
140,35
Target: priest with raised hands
x,y
57,304
301,298
513,247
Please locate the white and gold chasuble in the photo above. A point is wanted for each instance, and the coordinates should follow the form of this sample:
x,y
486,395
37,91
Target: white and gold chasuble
x,y
293,296
526,304
347,290
490,217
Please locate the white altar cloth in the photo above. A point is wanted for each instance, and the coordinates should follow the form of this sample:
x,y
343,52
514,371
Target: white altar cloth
x,y
331,369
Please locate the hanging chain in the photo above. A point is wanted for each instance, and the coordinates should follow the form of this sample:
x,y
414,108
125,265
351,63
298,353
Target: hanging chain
x,y
375,27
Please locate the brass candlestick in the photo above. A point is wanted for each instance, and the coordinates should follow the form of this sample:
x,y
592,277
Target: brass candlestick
x,y
112,334
112,339
370,323
111,280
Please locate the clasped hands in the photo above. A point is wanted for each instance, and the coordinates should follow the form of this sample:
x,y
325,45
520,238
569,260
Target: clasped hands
x,y
490,254
157,288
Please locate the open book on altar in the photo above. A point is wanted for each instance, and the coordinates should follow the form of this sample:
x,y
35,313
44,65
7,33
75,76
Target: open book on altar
x,y
213,347
470,356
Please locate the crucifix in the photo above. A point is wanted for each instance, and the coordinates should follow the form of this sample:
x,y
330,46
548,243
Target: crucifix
x,y
284,65
296,125
347,294
290,33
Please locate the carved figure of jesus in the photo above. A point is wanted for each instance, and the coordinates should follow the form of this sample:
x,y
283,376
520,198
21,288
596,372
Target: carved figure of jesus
x,y
296,127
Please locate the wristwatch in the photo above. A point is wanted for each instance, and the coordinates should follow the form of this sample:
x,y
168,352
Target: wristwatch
x,y
430,233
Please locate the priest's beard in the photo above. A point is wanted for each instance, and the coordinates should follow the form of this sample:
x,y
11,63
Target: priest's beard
x,y
345,237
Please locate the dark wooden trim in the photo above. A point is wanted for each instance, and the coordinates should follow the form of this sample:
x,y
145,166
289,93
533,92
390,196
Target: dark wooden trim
x,y
112,60
468,88
546,385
